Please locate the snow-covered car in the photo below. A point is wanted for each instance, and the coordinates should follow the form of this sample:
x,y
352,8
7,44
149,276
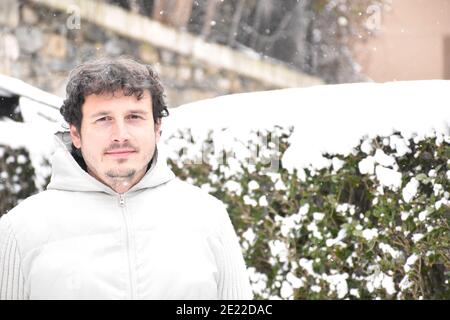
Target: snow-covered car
x,y
39,111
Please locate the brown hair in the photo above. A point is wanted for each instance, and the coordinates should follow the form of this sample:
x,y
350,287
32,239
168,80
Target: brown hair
x,y
108,75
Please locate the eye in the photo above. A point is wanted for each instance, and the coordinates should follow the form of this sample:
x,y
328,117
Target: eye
x,y
102,119
135,116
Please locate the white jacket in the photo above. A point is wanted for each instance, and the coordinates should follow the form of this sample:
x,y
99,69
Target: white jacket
x,y
79,239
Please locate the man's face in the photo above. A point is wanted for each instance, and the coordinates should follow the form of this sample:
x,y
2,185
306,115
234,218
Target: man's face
x,y
118,138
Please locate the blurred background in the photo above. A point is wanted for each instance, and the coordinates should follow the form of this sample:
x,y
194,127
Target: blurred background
x,y
207,48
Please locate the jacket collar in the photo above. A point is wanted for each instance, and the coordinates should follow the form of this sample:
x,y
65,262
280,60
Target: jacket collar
x,y
68,175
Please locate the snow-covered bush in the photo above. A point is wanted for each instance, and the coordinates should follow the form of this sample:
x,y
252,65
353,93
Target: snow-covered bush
x,y
17,177
368,225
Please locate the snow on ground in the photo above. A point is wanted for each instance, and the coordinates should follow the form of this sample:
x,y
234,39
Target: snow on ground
x,y
329,118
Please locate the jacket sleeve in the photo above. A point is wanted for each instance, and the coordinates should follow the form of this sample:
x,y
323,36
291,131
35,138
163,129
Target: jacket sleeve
x,y
11,277
233,280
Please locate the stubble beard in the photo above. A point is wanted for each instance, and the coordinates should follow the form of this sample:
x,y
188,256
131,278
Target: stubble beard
x,y
127,175
124,178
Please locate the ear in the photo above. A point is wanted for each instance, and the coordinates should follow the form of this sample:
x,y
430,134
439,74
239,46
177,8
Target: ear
x,y
76,137
158,130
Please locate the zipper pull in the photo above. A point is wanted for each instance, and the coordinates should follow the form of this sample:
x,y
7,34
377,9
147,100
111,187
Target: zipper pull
x,y
121,200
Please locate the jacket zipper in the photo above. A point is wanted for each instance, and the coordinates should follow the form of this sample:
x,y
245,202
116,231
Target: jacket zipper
x,y
128,244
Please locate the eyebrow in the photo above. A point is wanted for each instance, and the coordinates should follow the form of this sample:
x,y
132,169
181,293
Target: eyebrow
x,y
105,113
138,111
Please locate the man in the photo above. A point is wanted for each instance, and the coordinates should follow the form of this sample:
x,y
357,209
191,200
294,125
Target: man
x,y
114,222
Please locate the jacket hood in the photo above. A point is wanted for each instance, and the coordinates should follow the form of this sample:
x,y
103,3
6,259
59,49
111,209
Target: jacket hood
x,y
68,175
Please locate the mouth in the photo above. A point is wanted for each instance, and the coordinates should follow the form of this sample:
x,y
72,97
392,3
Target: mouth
x,y
120,153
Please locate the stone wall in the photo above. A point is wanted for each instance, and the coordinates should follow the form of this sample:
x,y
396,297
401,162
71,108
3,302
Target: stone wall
x,y
40,44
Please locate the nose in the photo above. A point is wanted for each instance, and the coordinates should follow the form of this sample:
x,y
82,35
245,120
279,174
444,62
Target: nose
x,y
120,131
